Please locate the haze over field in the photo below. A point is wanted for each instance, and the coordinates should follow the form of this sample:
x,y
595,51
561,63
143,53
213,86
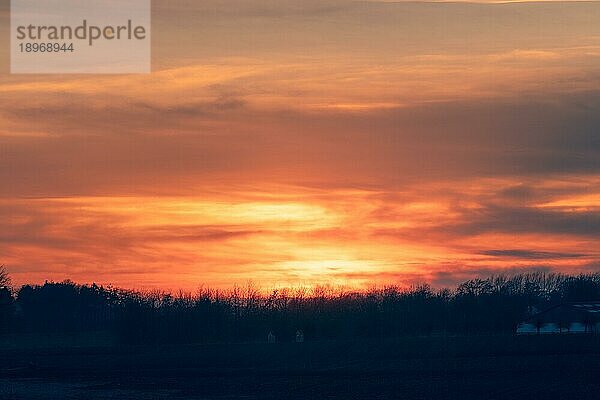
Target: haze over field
x,y
311,142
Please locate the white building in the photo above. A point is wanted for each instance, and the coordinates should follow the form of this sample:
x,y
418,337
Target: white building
x,y
569,318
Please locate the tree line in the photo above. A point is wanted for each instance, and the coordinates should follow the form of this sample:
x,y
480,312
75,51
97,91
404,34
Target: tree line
x,y
493,305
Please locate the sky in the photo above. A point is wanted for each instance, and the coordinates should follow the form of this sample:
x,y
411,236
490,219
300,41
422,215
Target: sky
x,y
299,143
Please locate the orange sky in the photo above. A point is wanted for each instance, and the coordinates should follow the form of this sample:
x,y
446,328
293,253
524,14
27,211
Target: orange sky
x,y
295,143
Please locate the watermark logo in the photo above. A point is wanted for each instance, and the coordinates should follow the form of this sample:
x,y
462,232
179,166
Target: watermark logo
x,y
80,36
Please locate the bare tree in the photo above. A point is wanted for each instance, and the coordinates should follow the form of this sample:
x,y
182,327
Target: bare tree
x,y
4,277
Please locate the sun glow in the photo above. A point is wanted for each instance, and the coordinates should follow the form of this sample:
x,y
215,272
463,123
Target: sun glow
x,y
324,149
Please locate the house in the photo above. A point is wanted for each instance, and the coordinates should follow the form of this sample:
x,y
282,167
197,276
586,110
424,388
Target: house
x,y
563,318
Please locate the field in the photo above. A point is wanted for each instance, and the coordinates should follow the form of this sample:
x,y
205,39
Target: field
x,y
481,367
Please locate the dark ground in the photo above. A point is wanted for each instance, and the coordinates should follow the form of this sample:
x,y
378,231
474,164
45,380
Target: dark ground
x,y
483,367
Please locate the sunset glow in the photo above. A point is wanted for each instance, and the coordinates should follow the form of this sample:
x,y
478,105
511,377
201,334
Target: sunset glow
x,y
343,146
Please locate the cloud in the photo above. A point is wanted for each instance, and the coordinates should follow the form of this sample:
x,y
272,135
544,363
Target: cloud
x,y
147,147
528,219
529,254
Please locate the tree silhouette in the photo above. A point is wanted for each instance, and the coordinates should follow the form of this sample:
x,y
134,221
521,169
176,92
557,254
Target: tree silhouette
x,y
479,306
4,278
6,301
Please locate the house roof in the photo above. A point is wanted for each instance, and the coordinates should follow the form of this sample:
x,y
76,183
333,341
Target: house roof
x,y
590,308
